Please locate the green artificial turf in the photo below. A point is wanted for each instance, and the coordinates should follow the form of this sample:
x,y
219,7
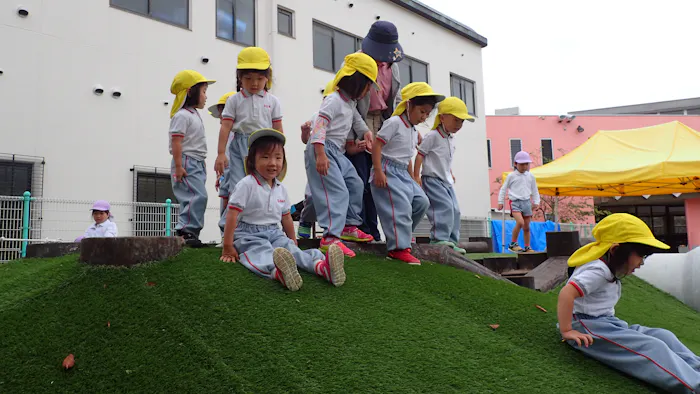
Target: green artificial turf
x,y
207,326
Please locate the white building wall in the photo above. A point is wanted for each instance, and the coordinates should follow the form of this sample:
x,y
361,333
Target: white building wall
x,y
52,58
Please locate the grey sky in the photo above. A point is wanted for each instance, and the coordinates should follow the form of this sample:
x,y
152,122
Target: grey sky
x,y
550,57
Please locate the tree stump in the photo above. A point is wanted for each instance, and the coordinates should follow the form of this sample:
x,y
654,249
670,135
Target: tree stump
x,y
52,249
128,251
529,261
562,243
550,274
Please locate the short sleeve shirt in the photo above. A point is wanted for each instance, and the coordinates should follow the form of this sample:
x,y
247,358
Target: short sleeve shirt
x,y
258,203
598,288
106,229
251,112
340,113
188,125
400,139
438,149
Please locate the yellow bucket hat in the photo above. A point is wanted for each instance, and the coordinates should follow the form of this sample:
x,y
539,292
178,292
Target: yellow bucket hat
x,y
254,136
330,88
413,90
214,110
615,229
452,106
355,62
183,81
255,58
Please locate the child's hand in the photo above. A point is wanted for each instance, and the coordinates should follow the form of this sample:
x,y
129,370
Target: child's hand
x,y
418,181
220,164
380,179
217,185
369,140
322,164
454,180
578,337
305,132
500,207
180,174
229,254
535,206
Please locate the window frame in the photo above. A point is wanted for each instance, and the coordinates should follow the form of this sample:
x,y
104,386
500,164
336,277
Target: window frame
x,y
510,147
358,42
551,146
489,156
151,17
472,111
234,41
412,60
292,21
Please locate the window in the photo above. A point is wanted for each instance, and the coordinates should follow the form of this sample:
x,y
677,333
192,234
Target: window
x,y
515,147
176,12
285,22
488,151
331,46
465,90
152,185
412,70
235,21
547,151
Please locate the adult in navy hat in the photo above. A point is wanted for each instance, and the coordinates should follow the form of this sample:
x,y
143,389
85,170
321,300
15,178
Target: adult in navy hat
x,y
382,45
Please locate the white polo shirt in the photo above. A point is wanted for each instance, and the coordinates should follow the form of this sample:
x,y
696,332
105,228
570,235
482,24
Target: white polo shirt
x,y
107,229
251,112
520,186
400,139
598,289
438,149
188,125
258,203
340,115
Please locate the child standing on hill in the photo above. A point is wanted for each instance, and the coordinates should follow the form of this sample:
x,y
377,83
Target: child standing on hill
x,y
586,309
400,201
252,109
336,188
520,186
216,110
435,154
257,205
188,146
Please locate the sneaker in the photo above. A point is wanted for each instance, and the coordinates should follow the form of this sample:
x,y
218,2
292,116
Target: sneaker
x,y
326,242
528,249
458,249
354,234
304,230
220,244
443,243
515,248
335,259
190,239
286,272
403,255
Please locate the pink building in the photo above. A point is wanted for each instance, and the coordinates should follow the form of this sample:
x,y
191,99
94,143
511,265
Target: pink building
x,y
549,137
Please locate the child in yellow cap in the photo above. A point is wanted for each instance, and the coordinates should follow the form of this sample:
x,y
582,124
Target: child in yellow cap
x,y
253,108
335,187
586,309
188,146
400,201
435,155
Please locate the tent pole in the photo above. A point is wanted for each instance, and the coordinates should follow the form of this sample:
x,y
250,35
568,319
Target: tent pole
x,y
503,225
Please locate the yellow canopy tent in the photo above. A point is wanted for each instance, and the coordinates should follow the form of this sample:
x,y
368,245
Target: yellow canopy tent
x,y
661,159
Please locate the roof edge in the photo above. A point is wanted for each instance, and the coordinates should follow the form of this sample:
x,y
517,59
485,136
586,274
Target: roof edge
x,y
442,20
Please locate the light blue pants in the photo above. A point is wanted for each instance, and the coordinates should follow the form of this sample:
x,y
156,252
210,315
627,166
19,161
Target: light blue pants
x,y
191,194
653,355
401,205
237,152
255,245
338,196
443,214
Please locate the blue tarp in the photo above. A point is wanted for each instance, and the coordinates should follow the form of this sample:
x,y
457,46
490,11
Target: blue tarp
x,y
538,234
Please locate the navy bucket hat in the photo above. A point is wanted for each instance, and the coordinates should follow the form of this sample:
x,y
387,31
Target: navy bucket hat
x,y
382,43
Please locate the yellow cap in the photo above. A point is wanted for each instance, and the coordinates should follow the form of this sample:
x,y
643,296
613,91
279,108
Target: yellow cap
x,y
183,81
452,106
254,136
413,90
255,58
615,229
330,88
355,62
214,109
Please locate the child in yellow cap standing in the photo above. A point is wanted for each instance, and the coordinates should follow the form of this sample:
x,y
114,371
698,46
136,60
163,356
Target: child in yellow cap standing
x,y
188,146
435,155
250,110
400,201
216,110
336,188
586,309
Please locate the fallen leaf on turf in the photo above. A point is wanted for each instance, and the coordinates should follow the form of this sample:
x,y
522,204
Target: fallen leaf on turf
x,y
478,276
494,326
105,286
69,361
151,284
108,325
540,308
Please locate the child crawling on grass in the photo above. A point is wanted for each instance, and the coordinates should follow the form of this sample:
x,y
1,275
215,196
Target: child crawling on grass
x,y
258,204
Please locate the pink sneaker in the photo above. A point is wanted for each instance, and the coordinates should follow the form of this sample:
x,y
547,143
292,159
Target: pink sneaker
x,y
332,268
403,255
326,242
354,234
